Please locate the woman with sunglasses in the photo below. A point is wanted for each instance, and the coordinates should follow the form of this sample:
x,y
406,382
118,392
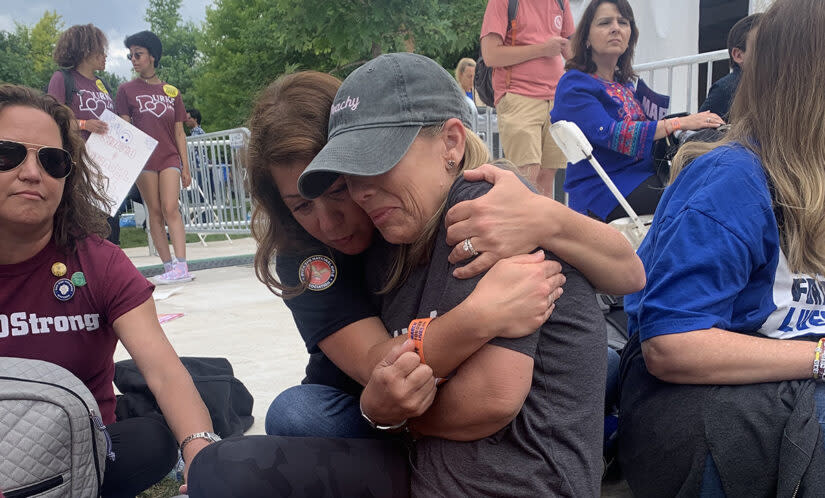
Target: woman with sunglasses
x,y
156,108
67,296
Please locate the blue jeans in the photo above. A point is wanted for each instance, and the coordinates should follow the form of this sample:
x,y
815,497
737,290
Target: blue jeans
x,y
315,410
712,482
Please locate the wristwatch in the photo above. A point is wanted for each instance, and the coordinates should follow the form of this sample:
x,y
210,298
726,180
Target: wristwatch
x,y
209,436
378,426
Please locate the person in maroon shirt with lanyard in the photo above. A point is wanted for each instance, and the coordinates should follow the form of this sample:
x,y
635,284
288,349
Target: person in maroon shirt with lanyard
x,y
67,296
156,108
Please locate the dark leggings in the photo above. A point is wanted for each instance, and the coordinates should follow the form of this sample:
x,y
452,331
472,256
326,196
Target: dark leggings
x,y
643,199
267,466
145,451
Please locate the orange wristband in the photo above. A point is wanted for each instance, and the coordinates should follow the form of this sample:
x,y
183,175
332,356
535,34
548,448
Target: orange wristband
x,y
677,125
418,328
81,123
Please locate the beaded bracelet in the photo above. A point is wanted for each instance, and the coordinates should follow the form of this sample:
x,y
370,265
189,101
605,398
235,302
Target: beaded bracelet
x,y
819,374
417,329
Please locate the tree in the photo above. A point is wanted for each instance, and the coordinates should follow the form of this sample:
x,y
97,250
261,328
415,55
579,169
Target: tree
x,y
180,62
26,54
15,65
44,36
248,43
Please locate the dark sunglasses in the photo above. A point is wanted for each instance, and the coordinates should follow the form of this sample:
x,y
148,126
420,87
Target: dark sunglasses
x,y
54,160
136,56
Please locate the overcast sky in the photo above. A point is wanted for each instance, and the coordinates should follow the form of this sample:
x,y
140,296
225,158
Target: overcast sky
x,y
116,18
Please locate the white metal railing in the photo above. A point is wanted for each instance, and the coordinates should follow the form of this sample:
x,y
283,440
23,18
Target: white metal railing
x,y
681,72
217,200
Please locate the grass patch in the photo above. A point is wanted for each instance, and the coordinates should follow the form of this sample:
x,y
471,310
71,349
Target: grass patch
x,y
136,237
164,489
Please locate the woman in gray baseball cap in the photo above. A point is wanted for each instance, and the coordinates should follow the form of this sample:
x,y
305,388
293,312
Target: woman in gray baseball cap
x,y
399,133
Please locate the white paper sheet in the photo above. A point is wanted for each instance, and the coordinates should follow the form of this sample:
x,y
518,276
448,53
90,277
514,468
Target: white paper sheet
x,y
121,154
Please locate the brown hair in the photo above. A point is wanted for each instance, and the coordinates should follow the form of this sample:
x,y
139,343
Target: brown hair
x,y
77,43
78,213
288,125
738,35
779,114
582,59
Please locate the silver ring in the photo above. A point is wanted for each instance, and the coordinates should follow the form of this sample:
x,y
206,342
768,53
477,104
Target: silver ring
x,y
708,120
468,247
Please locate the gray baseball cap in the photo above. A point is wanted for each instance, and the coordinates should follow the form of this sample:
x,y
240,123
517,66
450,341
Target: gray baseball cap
x,y
377,113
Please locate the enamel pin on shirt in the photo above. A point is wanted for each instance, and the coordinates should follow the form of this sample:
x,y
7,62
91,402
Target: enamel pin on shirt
x,y
64,289
58,269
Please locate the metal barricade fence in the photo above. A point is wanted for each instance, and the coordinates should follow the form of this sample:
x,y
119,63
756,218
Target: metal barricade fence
x,y
682,72
217,200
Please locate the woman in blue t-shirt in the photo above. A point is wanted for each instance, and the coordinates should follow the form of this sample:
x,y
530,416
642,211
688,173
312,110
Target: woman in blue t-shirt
x,y
721,380
597,93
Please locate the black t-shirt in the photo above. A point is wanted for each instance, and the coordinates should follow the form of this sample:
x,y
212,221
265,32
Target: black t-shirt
x,y
335,297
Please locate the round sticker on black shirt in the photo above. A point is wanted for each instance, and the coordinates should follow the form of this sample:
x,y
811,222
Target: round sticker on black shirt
x,y
318,272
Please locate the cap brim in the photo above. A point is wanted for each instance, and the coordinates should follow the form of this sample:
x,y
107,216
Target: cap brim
x,y
362,152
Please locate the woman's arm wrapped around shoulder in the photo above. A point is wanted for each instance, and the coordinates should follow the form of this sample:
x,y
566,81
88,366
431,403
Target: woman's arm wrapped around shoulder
x,y
511,219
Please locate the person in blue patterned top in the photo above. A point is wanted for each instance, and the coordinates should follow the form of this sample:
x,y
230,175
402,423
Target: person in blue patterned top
x,y
597,93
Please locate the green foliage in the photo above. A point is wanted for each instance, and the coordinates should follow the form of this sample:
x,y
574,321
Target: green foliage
x,y
44,36
245,44
248,43
180,63
26,54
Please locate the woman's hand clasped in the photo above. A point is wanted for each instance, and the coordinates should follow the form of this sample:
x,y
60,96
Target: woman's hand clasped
x,y
518,294
400,387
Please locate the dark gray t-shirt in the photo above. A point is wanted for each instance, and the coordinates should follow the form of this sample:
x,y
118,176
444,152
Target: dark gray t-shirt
x,y
553,446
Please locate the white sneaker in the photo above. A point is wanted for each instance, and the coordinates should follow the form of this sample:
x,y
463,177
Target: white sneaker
x,y
177,275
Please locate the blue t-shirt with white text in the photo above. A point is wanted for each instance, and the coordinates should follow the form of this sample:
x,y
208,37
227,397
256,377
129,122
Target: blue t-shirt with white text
x,y
713,259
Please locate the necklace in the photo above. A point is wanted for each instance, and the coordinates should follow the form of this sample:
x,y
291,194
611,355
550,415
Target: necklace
x,y
149,78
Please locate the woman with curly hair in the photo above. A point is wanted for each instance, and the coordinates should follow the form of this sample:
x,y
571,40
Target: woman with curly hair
x,y
67,296
79,52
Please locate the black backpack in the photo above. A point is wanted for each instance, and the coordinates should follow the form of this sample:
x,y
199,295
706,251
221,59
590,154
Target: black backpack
x,y
71,88
483,80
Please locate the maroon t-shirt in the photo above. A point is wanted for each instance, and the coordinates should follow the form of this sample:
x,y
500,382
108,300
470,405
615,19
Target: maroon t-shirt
x,y
76,334
154,109
89,102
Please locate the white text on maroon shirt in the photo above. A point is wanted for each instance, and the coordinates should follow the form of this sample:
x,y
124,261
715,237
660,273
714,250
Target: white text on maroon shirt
x,y
21,323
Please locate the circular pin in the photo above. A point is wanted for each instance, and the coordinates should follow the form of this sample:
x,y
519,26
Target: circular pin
x,y
79,279
64,289
58,269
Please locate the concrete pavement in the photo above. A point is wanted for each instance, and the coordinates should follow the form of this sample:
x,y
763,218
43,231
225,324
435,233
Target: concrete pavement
x,y
229,313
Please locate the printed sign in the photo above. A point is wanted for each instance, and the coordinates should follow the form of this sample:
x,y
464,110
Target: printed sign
x,y
236,140
121,154
655,105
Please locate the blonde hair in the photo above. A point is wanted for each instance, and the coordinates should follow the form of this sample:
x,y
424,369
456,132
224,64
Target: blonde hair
x,y
462,65
779,114
408,256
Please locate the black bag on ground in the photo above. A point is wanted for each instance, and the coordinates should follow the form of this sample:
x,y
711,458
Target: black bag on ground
x,y
227,399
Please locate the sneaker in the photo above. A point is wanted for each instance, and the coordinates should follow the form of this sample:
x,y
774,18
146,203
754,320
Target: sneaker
x,y
178,274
